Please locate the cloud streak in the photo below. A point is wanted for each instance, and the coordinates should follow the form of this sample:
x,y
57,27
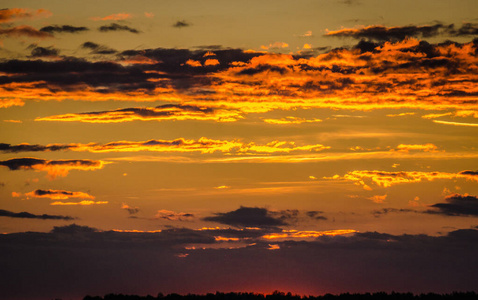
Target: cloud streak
x,y
51,29
58,194
54,168
117,27
386,179
27,215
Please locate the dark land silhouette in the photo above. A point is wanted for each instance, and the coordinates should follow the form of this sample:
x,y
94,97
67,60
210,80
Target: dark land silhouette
x,y
288,296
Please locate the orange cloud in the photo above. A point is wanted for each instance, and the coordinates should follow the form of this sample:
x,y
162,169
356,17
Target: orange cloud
x,y
160,113
7,102
401,114
395,75
24,30
83,203
211,62
114,17
193,63
291,120
456,123
295,234
378,198
58,194
386,179
276,45
426,147
54,168
14,14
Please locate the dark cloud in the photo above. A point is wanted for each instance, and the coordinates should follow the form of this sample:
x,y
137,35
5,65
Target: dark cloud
x,y
81,260
469,172
22,163
30,163
168,65
117,27
32,148
315,214
27,215
457,205
62,29
466,29
262,69
181,24
248,217
130,209
382,33
98,49
44,52
384,211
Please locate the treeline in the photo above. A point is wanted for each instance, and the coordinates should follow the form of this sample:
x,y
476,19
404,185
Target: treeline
x,y
283,296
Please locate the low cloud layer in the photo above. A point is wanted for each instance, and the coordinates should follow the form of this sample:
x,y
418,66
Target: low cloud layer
x,y
314,266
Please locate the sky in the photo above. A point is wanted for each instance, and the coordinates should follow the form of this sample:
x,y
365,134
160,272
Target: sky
x,y
311,146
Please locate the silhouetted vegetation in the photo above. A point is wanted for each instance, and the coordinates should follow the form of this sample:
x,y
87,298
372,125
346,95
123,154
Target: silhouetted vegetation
x,y
283,296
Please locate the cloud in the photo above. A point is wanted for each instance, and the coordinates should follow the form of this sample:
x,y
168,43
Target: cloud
x,y
158,113
173,216
457,205
248,217
417,147
358,259
384,211
114,17
63,29
382,33
24,31
58,194
378,198
54,168
131,210
8,148
117,27
97,49
386,179
82,203
181,24
466,29
45,52
456,123
291,120
8,15
275,45
390,75
202,145
315,214
27,215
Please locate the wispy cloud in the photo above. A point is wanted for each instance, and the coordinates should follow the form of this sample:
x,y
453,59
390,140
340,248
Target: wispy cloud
x,y
113,17
8,15
58,194
54,168
27,215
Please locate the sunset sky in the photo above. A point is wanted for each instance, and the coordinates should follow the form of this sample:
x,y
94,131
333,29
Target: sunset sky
x,y
311,146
